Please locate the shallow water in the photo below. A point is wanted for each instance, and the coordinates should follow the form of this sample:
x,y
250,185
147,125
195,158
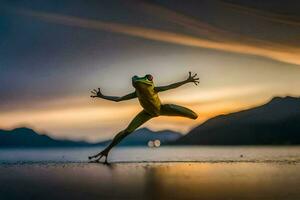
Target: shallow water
x,y
163,154
209,173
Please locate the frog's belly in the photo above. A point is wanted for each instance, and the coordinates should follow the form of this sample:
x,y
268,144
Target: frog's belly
x,y
151,105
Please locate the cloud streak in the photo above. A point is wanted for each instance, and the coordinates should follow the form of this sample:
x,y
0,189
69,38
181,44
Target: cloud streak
x,y
207,30
272,17
195,25
275,52
181,19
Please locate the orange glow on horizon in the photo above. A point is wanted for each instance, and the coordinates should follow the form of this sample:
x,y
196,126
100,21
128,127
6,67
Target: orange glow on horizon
x,y
59,121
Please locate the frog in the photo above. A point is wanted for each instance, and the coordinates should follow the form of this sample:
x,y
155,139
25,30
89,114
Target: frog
x,y
147,94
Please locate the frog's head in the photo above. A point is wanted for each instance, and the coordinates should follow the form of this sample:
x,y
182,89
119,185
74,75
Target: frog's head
x,y
142,82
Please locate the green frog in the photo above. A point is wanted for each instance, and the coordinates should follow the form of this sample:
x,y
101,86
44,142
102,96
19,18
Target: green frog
x,y
147,95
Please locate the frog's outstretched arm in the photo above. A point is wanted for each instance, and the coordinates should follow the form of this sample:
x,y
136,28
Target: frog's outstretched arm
x,y
140,119
190,79
98,93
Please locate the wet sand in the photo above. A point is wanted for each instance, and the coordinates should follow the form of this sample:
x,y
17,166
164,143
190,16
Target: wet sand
x,y
169,180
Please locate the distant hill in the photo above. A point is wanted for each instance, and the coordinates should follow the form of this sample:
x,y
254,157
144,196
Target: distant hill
x,y
141,137
276,122
25,137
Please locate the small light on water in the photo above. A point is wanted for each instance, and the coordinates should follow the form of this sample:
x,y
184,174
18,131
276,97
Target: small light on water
x,y
150,144
156,143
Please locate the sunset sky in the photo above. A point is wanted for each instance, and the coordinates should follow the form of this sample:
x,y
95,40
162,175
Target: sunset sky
x,y
52,53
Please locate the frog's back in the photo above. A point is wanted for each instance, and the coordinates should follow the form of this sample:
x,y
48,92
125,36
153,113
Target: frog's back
x,y
149,100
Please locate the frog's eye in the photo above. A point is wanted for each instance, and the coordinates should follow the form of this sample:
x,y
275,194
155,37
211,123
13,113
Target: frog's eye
x,y
149,77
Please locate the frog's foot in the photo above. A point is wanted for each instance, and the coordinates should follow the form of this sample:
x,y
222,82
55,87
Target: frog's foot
x,y
98,157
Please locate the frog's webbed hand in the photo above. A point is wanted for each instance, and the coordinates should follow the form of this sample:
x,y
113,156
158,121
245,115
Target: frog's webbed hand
x,y
191,79
98,93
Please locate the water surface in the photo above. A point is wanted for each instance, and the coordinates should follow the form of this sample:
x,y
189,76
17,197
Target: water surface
x,y
208,173
163,154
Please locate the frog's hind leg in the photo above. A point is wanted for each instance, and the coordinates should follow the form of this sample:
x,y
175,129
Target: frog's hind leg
x,y
175,110
140,119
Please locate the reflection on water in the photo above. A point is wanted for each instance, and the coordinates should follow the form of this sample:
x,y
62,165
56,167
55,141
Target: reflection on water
x,y
226,181
150,181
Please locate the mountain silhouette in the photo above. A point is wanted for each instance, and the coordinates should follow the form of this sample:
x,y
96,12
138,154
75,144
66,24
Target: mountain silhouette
x,y
25,137
141,137
276,122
